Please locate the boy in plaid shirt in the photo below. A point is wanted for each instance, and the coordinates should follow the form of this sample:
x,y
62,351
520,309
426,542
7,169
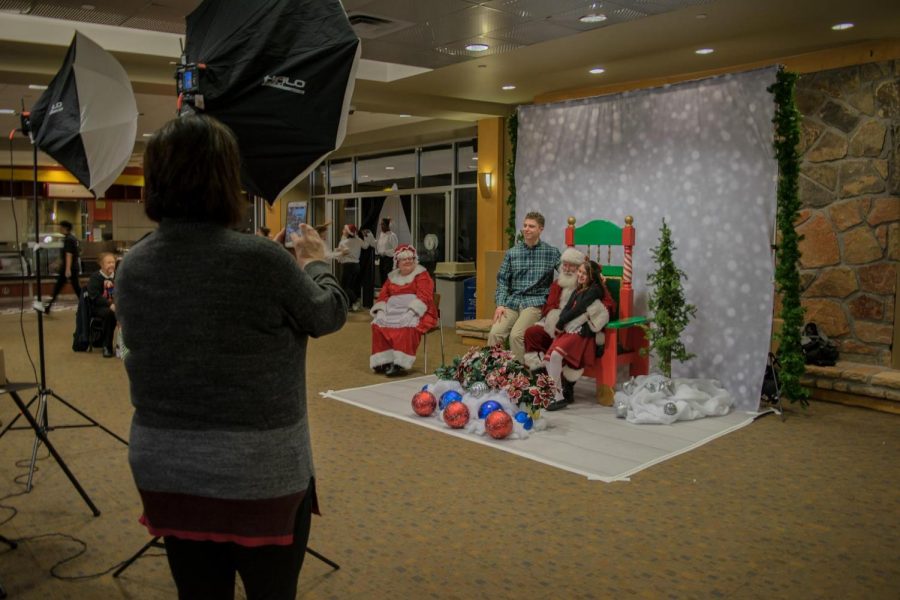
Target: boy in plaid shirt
x,y
523,283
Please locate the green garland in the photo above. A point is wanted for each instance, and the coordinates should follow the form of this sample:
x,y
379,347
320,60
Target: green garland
x,y
512,126
787,253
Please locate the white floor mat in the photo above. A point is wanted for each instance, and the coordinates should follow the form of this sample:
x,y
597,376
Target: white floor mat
x,y
585,438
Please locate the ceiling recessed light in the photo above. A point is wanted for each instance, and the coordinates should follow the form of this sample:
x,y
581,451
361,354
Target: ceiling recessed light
x,y
508,87
147,135
593,18
389,168
842,26
597,70
704,51
701,16
7,111
404,116
477,47
34,86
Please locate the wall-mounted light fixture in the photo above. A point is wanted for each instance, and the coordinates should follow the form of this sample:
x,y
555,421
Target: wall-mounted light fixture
x,y
485,179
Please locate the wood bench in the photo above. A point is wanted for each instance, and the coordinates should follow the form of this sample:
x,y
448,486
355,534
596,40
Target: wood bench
x,y
474,332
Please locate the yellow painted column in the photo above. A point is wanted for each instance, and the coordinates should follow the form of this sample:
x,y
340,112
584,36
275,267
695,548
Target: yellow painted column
x,y
491,205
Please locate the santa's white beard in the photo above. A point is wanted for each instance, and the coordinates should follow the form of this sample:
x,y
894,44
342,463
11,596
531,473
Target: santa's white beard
x,y
567,281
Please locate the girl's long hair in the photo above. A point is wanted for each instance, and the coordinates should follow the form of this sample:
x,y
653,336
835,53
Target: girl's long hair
x,y
595,277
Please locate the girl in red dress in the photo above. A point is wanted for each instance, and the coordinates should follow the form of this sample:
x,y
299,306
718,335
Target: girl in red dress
x,y
582,318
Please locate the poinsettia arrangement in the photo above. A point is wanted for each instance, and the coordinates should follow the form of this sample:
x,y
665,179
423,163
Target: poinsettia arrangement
x,y
498,370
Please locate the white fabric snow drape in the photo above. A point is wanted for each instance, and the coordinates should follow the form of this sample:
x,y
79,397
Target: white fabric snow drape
x,y
698,154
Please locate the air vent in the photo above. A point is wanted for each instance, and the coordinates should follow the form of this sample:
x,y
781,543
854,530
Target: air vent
x,y
369,26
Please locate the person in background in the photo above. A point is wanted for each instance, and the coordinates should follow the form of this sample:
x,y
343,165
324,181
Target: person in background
x,y
101,289
70,268
575,343
347,253
367,269
384,249
217,324
523,283
404,311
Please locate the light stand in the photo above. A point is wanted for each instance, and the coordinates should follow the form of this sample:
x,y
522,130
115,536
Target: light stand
x,y
155,543
41,422
771,391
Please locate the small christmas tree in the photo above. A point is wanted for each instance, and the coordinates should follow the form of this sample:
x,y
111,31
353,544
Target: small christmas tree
x,y
670,313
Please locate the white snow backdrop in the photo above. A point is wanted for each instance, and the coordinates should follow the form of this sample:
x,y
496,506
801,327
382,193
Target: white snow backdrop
x,y
698,154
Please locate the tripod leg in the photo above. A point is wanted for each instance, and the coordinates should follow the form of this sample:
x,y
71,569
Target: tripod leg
x,y
16,418
151,544
325,560
86,417
42,436
42,424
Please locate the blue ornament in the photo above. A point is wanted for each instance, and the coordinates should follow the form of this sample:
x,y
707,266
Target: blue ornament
x,y
526,421
448,397
425,387
487,408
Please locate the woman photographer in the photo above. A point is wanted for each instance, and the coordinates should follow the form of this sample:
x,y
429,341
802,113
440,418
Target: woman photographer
x,y
217,325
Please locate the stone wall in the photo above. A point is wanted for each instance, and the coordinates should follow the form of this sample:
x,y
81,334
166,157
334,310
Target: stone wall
x,y
850,190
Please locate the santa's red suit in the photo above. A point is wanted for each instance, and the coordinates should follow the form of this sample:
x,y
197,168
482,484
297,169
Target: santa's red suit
x,y
539,336
403,311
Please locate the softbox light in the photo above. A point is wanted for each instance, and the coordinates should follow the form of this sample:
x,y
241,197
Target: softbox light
x,y
87,118
280,74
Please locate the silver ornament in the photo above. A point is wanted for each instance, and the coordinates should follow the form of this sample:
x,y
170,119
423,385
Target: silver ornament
x,y
667,387
652,386
478,389
630,386
670,408
621,409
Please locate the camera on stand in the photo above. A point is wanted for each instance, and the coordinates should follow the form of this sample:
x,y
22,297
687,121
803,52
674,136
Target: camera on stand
x,y
187,83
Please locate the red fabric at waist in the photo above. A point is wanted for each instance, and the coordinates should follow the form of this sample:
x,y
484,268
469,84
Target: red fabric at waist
x,y
267,521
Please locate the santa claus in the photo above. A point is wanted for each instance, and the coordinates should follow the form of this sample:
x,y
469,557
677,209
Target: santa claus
x,y
403,312
539,336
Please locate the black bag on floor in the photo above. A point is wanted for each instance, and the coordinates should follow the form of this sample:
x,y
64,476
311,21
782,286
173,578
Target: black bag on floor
x,y
817,348
81,338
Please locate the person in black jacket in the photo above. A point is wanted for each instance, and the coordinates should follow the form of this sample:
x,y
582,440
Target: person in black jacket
x,y
101,293
69,269
582,318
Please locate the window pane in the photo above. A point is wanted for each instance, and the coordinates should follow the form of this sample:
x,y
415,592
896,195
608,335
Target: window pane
x,y
436,166
320,179
381,172
466,224
430,241
341,172
467,165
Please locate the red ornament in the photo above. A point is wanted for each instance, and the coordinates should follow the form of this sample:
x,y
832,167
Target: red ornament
x,y
424,403
498,424
456,415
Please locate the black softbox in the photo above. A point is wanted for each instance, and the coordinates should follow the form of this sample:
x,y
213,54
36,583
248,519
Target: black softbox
x,y
280,74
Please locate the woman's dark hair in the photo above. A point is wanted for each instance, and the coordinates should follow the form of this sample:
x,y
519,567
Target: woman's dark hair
x,y
594,272
595,277
192,171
